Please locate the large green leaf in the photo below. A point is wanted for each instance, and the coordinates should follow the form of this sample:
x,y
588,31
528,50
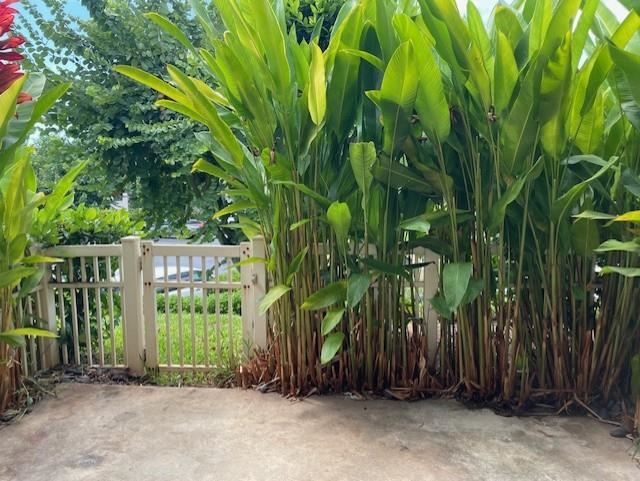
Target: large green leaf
x,y
331,346
331,320
505,76
430,102
362,156
616,245
400,176
519,127
554,99
455,280
568,199
441,306
317,86
585,237
171,28
339,218
271,297
633,216
623,271
498,210
334,293
357,286
294,267
630,65
397,95
12,277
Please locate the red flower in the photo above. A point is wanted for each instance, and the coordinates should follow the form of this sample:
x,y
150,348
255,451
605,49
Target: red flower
x,y
11,42
9,69
9,73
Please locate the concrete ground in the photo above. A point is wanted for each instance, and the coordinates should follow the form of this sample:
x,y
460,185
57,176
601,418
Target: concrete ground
x,y
128,433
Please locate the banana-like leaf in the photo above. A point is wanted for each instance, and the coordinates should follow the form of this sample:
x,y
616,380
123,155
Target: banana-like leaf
x,y
331,320
623,271
397,96
585,237
616,245
567,200
271,297
294,267
171,28
331,346
455,280
430,102
554,95
357,286
369,57
238,206
12,277
399,176
589,214
339,218
335,293
505,76
8,104
362,156
633,216
603,64
16,337
153,82
317,86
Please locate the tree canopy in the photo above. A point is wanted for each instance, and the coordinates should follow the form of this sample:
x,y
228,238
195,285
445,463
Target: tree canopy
x,y
132,145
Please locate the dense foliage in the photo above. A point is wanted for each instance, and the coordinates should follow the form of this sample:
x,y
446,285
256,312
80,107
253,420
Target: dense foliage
x,y
497,147
27,215
112,121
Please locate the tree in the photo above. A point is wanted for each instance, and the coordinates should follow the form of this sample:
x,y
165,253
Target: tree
x,y
132,145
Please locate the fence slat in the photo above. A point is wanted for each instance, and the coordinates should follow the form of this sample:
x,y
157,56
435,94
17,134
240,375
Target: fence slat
x,y
74,315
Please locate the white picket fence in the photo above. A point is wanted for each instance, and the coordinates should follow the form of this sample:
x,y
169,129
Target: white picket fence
x,y
143,305
103,301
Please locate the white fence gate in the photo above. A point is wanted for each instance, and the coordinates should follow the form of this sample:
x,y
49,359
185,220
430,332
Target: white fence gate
x,y
145,305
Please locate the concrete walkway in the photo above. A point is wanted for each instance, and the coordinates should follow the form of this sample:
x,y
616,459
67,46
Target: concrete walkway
x,y
122,433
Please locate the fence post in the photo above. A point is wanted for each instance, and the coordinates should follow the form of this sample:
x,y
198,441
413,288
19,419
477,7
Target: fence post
x,y
46,310
133,319
247,308
254,286
431,283
150,308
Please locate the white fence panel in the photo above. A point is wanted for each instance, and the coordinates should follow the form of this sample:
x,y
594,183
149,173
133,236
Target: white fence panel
x,y
144,305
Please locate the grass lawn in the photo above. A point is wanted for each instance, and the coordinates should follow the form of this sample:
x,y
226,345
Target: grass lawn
x,y
230,339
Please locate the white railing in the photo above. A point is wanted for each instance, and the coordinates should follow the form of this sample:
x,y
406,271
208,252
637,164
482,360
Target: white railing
x,y
103,299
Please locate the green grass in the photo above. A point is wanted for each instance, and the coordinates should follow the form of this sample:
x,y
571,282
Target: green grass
x,y
230,346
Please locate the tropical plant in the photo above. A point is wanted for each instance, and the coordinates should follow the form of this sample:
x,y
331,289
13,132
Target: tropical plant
x,y
26,214
420,127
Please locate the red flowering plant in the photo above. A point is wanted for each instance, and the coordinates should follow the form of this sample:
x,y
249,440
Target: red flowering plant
x,y
9,57
26,215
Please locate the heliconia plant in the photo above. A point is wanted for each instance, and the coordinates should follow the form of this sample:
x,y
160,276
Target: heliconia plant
x,y
421,127
26,215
